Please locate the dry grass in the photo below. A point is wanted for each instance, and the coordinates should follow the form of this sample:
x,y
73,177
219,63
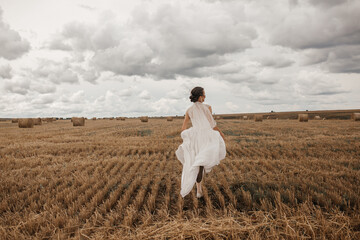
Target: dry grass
x,y
121,180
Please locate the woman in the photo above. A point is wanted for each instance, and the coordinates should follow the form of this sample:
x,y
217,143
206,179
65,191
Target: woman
x,y
203,144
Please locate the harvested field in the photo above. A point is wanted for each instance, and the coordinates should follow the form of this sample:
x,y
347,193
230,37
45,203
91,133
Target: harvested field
x,y
121,179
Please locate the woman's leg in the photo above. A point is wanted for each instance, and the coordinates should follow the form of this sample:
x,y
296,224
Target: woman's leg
x,y
198,182
199,176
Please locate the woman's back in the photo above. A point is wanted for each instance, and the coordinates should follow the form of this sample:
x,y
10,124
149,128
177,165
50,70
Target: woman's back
x,y
200,116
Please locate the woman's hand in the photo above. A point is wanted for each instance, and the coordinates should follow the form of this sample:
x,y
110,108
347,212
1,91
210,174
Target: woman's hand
x,y
222,135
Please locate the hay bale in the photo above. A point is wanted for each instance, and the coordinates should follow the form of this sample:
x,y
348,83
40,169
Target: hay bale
x,y
217,117
169,119
317,118
144,119
94,118
26,123
356,116
37,121
14,120
78,121
245,117
303,117
122,118
48,120
258,118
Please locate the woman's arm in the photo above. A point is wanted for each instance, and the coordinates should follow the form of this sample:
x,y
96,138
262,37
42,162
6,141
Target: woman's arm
x,y
186,121
222,135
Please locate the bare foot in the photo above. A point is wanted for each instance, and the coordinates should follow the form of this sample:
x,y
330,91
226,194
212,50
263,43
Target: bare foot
x,y
199,192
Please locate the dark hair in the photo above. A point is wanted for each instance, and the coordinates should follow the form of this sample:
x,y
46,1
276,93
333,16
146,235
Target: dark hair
x,y
196,92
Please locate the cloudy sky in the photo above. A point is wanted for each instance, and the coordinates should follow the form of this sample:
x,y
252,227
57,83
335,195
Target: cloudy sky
x,y
142,57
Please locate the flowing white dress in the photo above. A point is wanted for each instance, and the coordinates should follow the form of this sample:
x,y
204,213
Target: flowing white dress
x,y
202,146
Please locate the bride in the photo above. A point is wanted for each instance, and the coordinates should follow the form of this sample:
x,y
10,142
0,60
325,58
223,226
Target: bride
x,y
203,144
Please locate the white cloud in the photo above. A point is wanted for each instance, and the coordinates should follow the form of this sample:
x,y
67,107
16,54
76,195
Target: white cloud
x,y
143,57
12,46
232,107
145,95
56,72
5,71
17,85
163,43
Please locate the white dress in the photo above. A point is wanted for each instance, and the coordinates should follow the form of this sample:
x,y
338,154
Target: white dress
x,y
202,146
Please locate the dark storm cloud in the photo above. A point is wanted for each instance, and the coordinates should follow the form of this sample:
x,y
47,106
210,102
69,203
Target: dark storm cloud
x,y
339,59
327,3
325,92
306,27
326,31
276,62
344,59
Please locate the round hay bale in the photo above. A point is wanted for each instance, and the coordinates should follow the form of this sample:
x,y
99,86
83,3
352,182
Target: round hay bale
x,y
48,120
217,117
37,121
26,123
144,119
94,118
317,118
78,121
14,120
356,116
303,117
258,118
169,119
122,118
111,118
245,117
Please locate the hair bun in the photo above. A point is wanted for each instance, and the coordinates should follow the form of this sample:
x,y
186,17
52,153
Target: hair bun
x,y
196,93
